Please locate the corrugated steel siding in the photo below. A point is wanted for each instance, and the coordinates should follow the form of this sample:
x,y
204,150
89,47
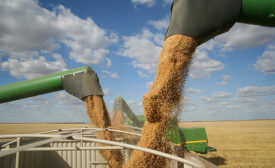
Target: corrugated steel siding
x,y
58,159
62,159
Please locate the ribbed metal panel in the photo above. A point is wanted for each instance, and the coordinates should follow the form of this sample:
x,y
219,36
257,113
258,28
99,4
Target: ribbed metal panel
x,y
77,159
58,159
64,159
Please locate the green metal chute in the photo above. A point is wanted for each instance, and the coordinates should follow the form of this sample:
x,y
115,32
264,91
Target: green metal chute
x,y
121,105
79,82
205,19
259,12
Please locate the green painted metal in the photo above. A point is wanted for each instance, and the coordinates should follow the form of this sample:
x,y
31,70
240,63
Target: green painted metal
x,y
129,122
121,105
260,12
173,132
36,86
195,139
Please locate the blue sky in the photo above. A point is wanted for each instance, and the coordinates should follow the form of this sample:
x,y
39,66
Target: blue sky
x,y
232,76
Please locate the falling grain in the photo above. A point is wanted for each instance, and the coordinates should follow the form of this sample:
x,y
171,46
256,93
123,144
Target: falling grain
x,y
162,102
99,116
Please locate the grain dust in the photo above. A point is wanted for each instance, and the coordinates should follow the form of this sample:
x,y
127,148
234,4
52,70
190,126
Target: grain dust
x,y
163,101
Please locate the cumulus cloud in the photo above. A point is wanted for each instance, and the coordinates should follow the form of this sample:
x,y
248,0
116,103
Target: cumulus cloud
x,y
107,92
160,24
148,84
251,91
266,62
148,3
143,49
192,90
202,66
136,107
35,67
143,75
110,74
221,95
224,81
215,97
246,35
167,2
108,62
28,31
65,99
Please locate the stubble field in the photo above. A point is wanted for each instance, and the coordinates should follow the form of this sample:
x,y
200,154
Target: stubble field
x,y
238,143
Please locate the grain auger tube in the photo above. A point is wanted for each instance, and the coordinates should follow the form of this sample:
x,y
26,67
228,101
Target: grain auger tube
x,y
121,105
205,19
79,82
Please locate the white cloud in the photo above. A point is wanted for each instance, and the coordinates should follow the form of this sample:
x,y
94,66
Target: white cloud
x,y
148,3
224,81
108,62
243,36
221,95
143,75
110,74
107,92
215,97
251,91
160,24
167,2
202,66
29,31
144,50
135,106
66,99
192,90
34,67
266,62
148,84
87,40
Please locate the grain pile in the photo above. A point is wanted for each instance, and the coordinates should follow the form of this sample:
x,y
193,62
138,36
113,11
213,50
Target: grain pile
x,y
163,101
99,116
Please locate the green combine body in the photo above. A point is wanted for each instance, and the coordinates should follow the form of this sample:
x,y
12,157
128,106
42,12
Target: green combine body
x,y
192,139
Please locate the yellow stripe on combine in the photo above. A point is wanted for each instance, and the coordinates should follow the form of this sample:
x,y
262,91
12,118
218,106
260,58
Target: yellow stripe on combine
x,y
195,141
188,142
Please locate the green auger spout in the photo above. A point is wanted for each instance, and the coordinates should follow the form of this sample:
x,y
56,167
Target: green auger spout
x,y
80,82
205,19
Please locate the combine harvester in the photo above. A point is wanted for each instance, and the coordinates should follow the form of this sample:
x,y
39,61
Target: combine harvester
x,y
191,139
78,147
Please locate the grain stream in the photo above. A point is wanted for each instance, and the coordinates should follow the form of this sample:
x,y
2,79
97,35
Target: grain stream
x,y
163,102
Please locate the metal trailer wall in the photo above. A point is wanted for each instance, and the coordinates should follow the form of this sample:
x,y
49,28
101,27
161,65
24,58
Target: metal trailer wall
x,y
64,159
58,159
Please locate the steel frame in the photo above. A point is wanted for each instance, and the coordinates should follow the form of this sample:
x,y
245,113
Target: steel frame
x,y
78,135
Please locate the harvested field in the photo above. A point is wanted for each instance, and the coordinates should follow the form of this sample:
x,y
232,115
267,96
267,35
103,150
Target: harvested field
x,y
25,128
240,143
